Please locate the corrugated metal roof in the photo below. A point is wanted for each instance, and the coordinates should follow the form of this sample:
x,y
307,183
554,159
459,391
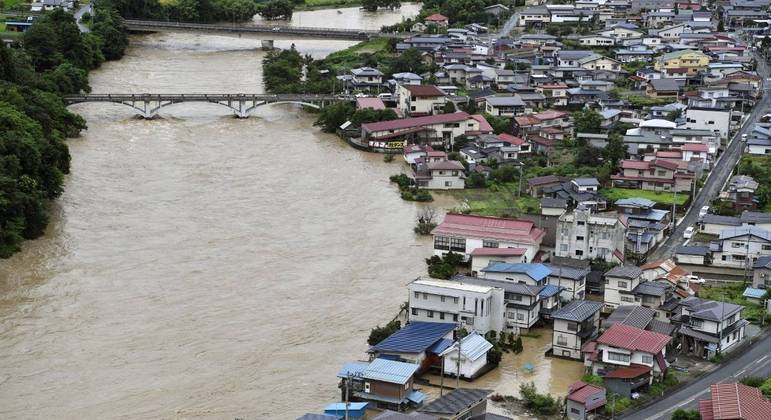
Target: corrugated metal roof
x,y
624,271
536,272
754,293
353,368
390,371
415,337
635,316
472,346
549,290
578,310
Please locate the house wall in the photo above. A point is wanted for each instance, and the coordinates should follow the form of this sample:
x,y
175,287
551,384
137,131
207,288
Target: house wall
x,y
481,261
713,120
599,239
468,368
574,289
736,252
571,346
690,259
385,389
759,150
444,180
514,277
455,305
761,278
522,318
474,243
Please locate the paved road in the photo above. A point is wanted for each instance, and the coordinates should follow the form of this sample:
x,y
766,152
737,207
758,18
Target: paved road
x,y
754,361
717,178
509,25
79,15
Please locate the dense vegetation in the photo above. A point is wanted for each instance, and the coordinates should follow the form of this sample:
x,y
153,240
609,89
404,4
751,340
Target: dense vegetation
x,y
33,119
379,333
759,168
463,12
203,11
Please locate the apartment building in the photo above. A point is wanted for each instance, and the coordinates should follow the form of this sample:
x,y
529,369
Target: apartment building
x,y
584,234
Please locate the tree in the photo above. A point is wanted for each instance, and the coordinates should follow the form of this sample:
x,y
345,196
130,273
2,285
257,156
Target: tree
x,y
379,333
333,116
276,9
674,114
682,414
443,267
587,121
499,124
616,150
448,108
66,79
426,221
588,156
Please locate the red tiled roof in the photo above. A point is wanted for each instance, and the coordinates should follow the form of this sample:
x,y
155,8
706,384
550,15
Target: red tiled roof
x,y
423,90
635,164
508,138
735,401
415,122
484,125
498,252
663,163
631,338
580,392
374,103
695,147
628,372
513,230
448,165
436,17
526,120
672,154
550,115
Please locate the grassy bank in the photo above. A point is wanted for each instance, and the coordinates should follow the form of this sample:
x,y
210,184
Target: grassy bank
x,y
326,4
733,293
613,194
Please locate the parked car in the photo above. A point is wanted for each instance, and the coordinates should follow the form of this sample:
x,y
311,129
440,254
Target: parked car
x,y
695,279
744,137
688,234
703,212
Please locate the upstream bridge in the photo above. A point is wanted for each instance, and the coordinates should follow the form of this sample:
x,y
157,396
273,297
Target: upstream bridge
x,y
148,105
293,31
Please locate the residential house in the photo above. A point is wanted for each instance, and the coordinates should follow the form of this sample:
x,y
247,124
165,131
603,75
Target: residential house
x,y
596,41
504,106
693,61
536,185
459,404
483,257
366,78
661,88
440,175
716,120
740,193
631,315
584,399
553,206
475,307
713,224
555,93
707,327
383,383
571,280
575,324
655,175
628,358
439,130
734,401
534,16
420,100
417,342
761,272
438,20
463,233
739,247
645,226
620,283
585,234
695,255
472,352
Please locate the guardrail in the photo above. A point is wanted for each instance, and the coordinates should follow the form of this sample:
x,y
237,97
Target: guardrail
x,y
134,24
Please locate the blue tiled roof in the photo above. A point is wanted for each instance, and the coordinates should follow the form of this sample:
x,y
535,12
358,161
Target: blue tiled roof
x,y
416,396
535,271
440,346
549,290
752,292
415,337
390,371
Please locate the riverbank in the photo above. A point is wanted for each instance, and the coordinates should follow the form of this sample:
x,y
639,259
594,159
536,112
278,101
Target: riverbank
x,y
311,5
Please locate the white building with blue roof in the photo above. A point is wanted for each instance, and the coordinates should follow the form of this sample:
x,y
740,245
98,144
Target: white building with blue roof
x,y
473,356
534,274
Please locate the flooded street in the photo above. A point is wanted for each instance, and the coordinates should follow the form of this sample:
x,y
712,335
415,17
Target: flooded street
x,y
201,266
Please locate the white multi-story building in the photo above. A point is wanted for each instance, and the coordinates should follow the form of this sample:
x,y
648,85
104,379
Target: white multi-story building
x,y
476,307
713,119
574,325
571,280
620,282
419,100
461,233
739,247
708,327
583,234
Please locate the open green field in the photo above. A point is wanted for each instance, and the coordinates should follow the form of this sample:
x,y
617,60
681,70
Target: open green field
x,y
613,194
733,294
497,200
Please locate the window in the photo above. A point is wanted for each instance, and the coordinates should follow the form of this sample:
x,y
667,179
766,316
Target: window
x,y
737,245
766,247
562,340
572,326
441,298
430,314
575,410
622,284
627,299
520,317
449,184
455,300
415,311
457,244
455,317
564,247
417,295
647,359
579,238
441,315
697,323
366,387
489,244
618,357
425,296
518,298
581,223
442,242
579,252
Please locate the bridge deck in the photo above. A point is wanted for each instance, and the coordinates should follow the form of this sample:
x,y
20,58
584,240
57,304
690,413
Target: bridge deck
x,y
204,97
307,32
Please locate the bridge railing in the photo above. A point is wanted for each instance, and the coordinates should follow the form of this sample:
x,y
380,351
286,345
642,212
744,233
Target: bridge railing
x,y
208,97
256,28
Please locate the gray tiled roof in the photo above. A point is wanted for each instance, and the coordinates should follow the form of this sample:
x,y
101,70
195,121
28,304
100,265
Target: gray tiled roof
x,y
632,315
651,288
661,327
717,219
578,310
506,285
553,203
755,217
692,250
456,401
710,309
625,272
567,272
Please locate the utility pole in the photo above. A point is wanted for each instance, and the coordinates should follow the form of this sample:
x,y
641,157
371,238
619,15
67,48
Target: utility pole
x,y
457,378
347,382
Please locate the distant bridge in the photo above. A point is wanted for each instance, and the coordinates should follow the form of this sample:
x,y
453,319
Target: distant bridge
x,y
148,105
294,31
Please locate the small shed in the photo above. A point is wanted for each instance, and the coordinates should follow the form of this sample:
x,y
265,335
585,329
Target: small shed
x,y
584,398
754,295
473,356
356,410
695,255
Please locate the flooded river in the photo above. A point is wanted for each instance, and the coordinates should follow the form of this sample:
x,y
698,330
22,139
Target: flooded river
x,y
200,266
